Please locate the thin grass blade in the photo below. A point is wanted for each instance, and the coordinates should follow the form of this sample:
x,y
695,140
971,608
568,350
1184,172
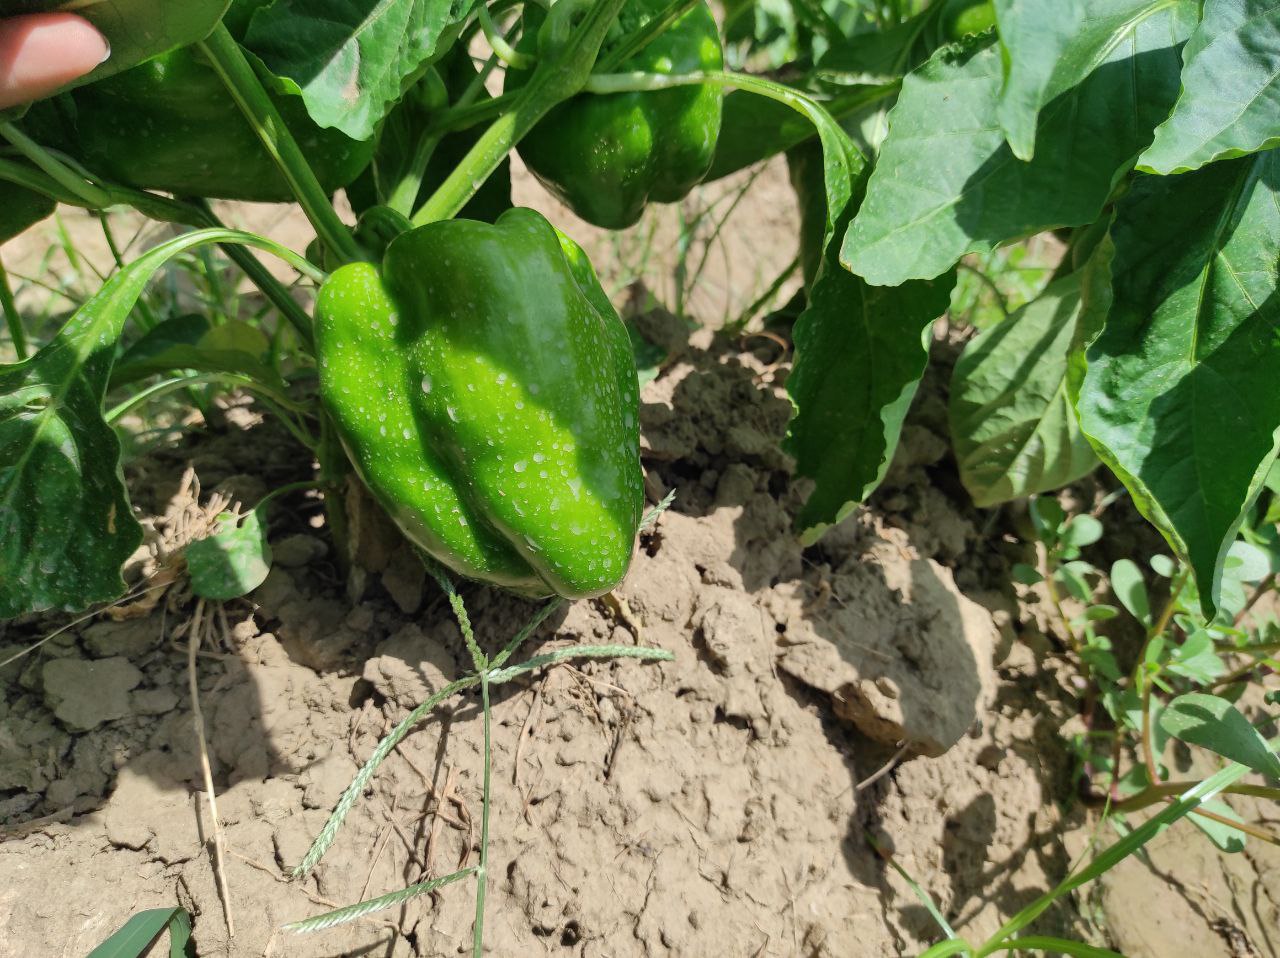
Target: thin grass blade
x,y
341,916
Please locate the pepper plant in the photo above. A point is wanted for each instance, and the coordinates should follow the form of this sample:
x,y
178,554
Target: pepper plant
x,y
1141,133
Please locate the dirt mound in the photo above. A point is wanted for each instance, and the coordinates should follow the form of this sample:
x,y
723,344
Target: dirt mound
x,y
717,805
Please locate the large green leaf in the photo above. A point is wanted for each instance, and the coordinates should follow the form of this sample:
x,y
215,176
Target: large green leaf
x,y
1180,394
136,29
66,525
1013,427
1049,46
1230,89
860,353
352,59
947,183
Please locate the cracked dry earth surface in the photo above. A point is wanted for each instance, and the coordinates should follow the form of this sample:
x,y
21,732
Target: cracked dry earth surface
x,y
884,683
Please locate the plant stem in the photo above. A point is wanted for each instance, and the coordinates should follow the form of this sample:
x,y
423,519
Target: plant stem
x,y
556,79
12,317
405,194
501,48
12,171
1259,833
1159,793
1055,599
91,195
1263,587
229,62
1237,674
1143,678
463,116
989,283
482,873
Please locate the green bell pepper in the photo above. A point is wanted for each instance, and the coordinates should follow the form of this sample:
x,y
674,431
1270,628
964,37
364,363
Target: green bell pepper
x,y
485,390
606,156
170,124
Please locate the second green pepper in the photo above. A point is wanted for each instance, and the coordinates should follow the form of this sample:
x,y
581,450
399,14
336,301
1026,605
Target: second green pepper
x,y
606,156
486,392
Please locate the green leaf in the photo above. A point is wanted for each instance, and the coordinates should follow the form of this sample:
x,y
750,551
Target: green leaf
x,y
1050,46
1081,531
1163,566
1196,659
351,60
1047,517
21,208
1131,589
141,931
233,561
1248,562
1216,724
1227,839
753,129
136,29
1230,89
947,183
1099,613
498,676
1072,576
1179,397
1012,423
66,525
860,353
192,342
1027,575
877,56
1052,946
649,356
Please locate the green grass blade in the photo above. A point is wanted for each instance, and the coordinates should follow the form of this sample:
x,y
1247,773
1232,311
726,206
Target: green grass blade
x,y
392,739
1076,949
520,637
498,676
952,946
1190,799
340,916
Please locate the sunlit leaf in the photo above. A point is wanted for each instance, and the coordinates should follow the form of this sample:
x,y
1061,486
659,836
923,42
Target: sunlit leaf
x,y
1230,89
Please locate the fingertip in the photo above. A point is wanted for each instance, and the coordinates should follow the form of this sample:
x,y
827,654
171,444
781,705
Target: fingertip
x,y
41,52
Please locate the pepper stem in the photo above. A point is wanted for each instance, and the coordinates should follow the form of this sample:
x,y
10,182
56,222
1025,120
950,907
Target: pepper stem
x,y
556,79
